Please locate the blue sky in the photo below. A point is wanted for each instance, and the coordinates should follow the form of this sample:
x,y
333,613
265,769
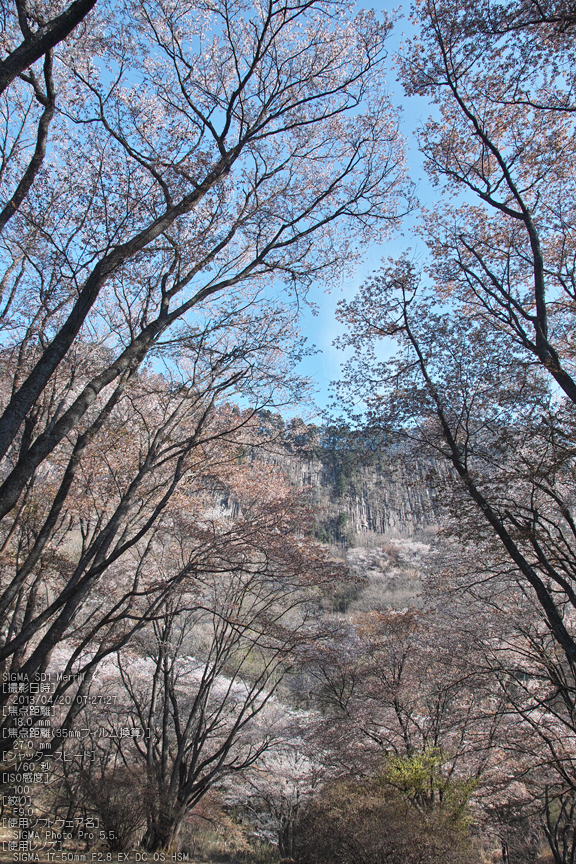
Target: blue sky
x,y
321,330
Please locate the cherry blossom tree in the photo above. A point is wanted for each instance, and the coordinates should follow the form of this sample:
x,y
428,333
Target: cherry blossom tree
x,y
30,33
199,683
36,33
460,391
201,160
160,447
484,373
504,136
284,781
216,151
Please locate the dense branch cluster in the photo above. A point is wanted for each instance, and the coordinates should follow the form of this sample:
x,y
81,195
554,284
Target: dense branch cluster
x,y
484,373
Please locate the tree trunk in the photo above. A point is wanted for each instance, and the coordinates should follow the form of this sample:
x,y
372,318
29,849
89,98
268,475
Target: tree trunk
x,y
163,830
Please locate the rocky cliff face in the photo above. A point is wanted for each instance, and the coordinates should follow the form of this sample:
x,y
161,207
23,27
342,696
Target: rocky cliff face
x,y
378,515
357,504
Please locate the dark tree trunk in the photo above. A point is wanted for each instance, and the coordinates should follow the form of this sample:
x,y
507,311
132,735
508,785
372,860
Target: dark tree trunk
x,y
163,829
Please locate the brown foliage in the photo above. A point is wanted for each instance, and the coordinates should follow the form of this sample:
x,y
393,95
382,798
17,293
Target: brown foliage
x,y
367,824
